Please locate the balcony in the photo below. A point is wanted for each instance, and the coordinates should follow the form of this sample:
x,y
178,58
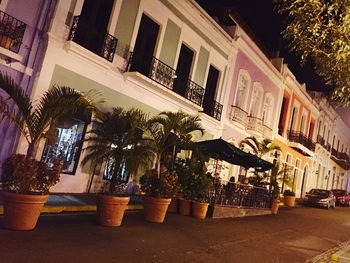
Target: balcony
x,y
239,115
102,44
11,32
165,76
301,143
342,159
320,140
255,125
267,132
216,110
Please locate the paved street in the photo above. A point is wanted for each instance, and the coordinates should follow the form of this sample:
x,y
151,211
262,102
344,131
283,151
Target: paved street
x,y
294,235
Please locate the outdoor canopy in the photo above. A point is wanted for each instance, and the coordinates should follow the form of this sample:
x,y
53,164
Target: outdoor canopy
x,y
223,150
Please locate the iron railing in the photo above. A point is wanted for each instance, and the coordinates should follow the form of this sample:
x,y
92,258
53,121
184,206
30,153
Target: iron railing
x,y
240,195
299,137
165,76
194,92
216,110
109,44
255,124
239,115
11,32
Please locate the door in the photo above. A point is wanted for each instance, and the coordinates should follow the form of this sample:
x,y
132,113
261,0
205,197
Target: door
x,y
183,70
210,90
144,46
93,23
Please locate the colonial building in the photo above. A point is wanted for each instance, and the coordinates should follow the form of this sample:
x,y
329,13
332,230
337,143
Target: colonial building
x,y
22,46
159,55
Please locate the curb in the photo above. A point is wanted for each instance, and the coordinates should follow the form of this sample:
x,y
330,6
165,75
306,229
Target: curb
x,y
56,209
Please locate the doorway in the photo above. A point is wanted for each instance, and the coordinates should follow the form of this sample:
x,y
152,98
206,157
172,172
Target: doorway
x,y
183,70
144,46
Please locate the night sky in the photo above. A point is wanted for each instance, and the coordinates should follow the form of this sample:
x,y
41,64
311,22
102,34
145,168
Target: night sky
x,y
266,24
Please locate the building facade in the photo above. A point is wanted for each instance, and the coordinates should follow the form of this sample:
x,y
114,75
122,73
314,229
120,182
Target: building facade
x,y
159,55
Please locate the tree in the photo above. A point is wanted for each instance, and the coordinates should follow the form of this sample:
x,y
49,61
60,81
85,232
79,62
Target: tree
x,y
117,136
170,130
259,147
39,121
319,30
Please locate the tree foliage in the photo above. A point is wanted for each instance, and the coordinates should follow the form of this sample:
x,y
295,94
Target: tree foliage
x,y
319,30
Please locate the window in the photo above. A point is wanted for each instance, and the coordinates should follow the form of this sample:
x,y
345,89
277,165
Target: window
x,y
255,105
267,109
242,89
69,140
122,173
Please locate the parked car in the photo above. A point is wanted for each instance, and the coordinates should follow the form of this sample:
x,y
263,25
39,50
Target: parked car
x,y
320,197
342,197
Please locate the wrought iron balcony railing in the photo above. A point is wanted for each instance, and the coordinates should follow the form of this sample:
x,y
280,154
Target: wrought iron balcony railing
x,y
11,32
194,92
165,76
239,115
215,111
299,137
255,124
83,35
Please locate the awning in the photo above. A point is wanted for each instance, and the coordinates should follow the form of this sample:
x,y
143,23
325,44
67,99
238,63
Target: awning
x,y
223,150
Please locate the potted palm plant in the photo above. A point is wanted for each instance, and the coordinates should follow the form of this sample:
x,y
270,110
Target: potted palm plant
x,y
116,139
26,182
168,131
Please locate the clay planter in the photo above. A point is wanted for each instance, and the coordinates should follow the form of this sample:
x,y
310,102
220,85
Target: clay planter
x,y
274,206
173,207
199,210
154,209
21,212
289,201
110,209
184,207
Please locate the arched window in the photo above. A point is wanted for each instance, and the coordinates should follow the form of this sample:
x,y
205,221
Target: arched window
x,y
267,109
256,100
243,85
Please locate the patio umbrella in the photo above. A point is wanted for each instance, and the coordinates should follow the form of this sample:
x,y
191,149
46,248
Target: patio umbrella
x,y
223,150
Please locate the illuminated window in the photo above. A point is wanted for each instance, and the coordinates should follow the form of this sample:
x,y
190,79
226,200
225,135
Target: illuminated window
x,y
69,138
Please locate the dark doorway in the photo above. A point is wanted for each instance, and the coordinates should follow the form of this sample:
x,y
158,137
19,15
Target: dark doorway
x,y
210,90
93,23
144,46
183,70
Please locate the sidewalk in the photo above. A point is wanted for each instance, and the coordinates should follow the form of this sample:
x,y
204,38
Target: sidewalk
x,y
59,203
339,254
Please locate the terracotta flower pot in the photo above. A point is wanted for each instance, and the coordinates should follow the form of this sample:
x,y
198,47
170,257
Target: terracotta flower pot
x,y
274,206
184,207
289,201
110,209
199,210
154,209
173,207
21,212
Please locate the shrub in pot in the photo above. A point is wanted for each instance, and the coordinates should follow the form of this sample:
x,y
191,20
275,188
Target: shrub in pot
x,y
200,194
289,198
158,193
275,198
116,139
26,182
185,171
